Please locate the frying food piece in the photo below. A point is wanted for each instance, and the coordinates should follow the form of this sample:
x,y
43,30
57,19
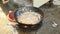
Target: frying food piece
x,y
29,18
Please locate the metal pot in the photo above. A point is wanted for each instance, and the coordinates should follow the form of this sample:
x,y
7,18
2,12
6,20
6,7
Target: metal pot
x,y
22,26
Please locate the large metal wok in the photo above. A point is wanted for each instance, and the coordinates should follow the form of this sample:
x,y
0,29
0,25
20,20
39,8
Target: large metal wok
x,y
28,26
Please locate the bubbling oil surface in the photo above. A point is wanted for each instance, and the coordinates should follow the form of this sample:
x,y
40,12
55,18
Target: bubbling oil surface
x,y
29,18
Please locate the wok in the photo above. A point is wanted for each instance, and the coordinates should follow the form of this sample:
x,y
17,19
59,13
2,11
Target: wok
x,y
28,26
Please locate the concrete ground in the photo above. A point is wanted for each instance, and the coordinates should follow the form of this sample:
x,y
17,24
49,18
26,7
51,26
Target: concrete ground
x,y
51,22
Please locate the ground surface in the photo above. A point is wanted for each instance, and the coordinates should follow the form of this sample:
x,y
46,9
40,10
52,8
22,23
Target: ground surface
x,y
51,16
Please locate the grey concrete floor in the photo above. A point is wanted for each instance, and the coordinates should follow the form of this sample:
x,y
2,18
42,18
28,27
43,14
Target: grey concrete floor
x,y
51,15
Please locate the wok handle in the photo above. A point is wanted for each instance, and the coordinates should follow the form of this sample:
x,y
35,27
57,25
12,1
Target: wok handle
x,y
11,16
